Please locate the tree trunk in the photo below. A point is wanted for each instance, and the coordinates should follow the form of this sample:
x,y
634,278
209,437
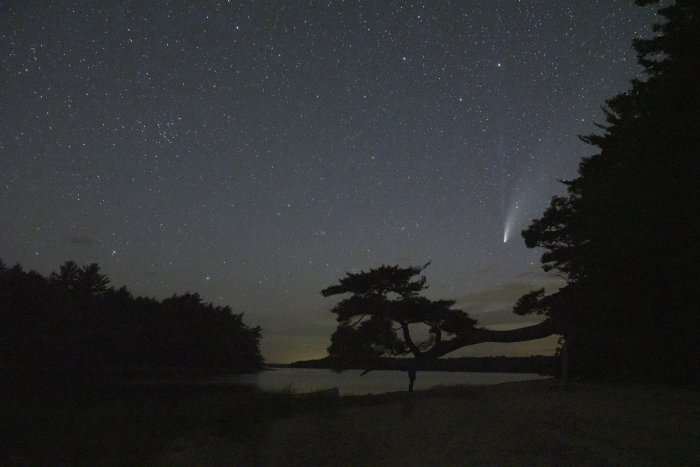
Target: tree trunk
x,y
411,378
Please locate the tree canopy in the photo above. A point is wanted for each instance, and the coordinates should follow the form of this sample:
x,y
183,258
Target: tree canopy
x,y
385,315
625,234
384,305
74,321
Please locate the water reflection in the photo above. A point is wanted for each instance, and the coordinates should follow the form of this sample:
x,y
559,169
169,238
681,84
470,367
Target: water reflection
x,y
376,382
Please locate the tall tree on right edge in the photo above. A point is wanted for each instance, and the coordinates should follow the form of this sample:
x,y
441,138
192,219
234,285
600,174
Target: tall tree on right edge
x,y
626,235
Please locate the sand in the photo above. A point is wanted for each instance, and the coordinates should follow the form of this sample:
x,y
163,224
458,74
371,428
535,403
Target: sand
x,y
532,423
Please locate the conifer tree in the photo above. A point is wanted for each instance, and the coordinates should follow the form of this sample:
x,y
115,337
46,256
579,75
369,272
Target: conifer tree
x,y
385,315
626,233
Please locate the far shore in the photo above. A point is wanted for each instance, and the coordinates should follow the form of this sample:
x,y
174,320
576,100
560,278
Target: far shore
x,y
540,364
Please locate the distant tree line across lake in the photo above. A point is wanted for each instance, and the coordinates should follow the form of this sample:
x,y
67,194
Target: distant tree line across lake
x,y
541,364
74,322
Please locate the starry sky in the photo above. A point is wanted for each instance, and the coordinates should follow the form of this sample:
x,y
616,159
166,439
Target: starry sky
x,y
255,151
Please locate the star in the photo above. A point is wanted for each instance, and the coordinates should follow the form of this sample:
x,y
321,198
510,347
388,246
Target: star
x,y
295,139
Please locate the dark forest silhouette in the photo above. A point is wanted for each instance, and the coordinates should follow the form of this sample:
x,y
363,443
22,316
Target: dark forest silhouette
x,y
73,322
626,234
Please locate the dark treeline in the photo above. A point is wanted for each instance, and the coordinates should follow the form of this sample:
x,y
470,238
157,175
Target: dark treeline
x,y
626,234
541,364
73,322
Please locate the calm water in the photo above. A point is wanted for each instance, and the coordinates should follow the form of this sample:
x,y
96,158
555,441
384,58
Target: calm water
x,y
374,382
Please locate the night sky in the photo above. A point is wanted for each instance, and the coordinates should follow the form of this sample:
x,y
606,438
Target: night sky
x,y
255,151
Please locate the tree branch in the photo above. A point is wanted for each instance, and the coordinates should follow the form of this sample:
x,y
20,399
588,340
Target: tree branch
x,y
538,331
358,321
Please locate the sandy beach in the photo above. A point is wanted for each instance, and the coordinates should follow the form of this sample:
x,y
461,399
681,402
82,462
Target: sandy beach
x,y
531,423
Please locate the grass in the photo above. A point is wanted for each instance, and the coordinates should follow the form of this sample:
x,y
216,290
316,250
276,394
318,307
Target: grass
x,y
78,424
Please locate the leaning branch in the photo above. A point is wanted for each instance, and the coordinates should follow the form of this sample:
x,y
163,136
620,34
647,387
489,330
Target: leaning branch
x,y
538,331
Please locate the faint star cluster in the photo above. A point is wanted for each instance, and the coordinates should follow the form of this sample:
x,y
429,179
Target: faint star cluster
x,y
255,151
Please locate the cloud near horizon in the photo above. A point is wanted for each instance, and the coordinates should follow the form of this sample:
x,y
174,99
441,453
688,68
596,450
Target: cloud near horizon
x,y
494,306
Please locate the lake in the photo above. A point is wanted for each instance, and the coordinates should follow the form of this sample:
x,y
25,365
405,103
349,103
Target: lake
x,y
350,382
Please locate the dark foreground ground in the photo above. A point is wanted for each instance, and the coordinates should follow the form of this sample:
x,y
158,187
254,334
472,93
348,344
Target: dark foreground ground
x,y
545,422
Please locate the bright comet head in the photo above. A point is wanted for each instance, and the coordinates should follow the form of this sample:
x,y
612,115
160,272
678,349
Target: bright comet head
x,y
507,228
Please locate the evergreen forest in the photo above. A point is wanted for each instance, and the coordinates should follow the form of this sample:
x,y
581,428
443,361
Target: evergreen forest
x,y
74,323
625,236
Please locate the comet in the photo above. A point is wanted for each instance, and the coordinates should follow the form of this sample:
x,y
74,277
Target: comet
x,y
507,228
510,221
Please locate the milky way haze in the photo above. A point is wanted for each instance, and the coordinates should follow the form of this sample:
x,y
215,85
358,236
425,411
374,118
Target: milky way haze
x,y
255,151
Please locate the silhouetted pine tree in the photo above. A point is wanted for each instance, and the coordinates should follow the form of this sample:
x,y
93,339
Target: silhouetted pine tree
x,y
626,234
